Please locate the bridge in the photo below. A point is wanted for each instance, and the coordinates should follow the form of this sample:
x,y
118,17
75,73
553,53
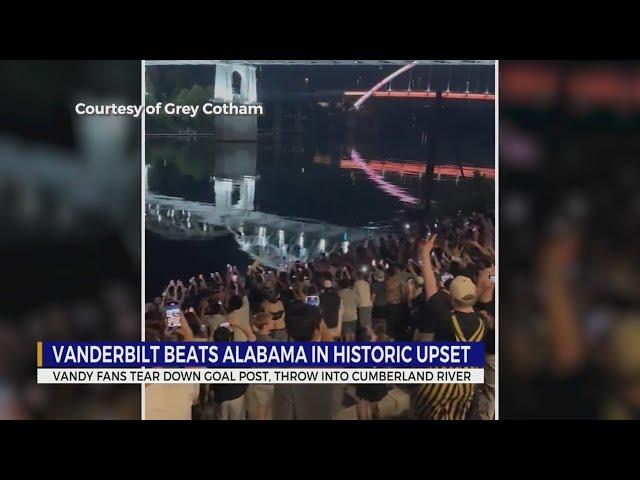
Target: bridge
x,y
423,94
235,81
273,238
342,63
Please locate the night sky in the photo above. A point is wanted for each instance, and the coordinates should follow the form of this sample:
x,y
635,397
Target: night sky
x,y
171,79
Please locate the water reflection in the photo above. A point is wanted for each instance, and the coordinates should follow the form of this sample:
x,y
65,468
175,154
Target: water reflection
x,y
384,185
226,188
229,209
280,199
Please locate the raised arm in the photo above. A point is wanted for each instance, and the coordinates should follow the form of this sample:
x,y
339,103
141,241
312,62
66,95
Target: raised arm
x,y
247,331
430,285
412,270
437,263
567,345
185,329
483,250
165,294
410,290
193,310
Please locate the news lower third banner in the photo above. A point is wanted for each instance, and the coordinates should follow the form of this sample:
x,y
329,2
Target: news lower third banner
x,y
260,362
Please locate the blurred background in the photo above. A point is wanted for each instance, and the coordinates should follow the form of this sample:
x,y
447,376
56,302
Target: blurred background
x,y
71,223
569,210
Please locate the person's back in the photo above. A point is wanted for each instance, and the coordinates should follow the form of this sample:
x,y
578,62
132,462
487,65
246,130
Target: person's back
x,y
426,314
365,305
287,296
350,311
229,398
166,401
212,315
350,302
239,313
275,307
460,327
395,307
363,292
379,289
306,401
447,401
379,297
330,305
393,290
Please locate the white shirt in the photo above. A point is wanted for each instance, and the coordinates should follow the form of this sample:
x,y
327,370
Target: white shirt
x,y
169,401
242,316
363,292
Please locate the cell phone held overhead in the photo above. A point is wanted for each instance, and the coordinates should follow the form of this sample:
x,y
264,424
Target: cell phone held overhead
x,y
313,300
172,312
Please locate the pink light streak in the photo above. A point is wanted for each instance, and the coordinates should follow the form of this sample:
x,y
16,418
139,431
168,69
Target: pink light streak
x,y
393,94
385,186
382,83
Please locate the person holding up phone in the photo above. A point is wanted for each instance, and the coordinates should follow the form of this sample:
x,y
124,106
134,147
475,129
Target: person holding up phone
x,y
307,401
237,304
369,395
198,328
229,399
165,401
263,323
173,315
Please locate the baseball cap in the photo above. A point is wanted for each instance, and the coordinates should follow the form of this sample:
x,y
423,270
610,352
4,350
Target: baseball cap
x,y
463,291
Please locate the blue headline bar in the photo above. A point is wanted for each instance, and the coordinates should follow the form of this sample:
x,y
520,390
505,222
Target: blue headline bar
x,y
262,354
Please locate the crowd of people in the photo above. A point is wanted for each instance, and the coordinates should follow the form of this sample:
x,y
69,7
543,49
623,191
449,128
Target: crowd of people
x,y
108,311
429,282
